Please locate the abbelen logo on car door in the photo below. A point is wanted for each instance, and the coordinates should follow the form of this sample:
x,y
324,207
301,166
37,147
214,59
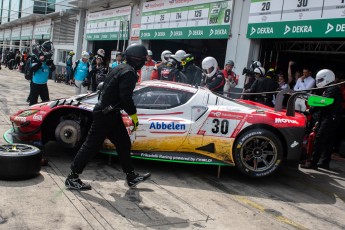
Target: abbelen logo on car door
x,y
167,126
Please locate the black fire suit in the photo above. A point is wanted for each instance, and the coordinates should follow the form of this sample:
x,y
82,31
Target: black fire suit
x,y
193,74
263,84
216,82
116,93
329,119
170,73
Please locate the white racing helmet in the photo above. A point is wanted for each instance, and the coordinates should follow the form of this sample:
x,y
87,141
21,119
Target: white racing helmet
x,y
85,55
255,64
165,55
101,52
179,55
209,66
324,77
260,70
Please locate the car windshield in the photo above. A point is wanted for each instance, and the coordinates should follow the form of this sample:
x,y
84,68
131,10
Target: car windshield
x,y
160,98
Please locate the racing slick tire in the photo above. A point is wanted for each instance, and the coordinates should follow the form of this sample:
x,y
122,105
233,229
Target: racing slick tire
x,y
258,153
19,161
68,133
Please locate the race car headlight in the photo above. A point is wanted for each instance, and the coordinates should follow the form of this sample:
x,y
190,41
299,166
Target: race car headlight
x,y
27,113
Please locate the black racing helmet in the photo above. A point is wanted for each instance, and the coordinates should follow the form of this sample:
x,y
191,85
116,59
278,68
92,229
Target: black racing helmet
x,y
47,49
135,56
36,50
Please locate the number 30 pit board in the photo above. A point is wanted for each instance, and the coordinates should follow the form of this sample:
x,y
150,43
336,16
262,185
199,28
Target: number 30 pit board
x,y
296,19
186,19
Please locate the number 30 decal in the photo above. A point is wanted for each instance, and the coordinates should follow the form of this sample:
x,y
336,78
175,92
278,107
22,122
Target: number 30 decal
x,y
224,126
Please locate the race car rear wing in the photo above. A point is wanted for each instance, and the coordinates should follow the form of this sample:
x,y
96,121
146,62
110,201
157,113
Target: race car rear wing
x,y
313,100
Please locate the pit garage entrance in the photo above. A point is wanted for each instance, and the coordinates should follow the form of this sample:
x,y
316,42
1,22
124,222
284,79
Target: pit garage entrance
x,y
200,48
316,54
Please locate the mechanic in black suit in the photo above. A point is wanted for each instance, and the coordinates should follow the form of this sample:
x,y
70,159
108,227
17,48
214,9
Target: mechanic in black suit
x,y
116,95
328,121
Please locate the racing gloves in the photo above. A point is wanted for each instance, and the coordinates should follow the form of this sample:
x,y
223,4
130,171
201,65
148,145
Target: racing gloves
x,y
135,120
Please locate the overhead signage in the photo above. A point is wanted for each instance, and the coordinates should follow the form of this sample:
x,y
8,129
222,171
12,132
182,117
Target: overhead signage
x,y
334,9
265,11
109,24
331,28
298,19
42,29
15,35
302,10
27,32
192,19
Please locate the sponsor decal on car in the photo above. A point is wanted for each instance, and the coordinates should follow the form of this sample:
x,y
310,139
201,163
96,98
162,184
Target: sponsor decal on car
x,y
20,119
167,126
37,117
177,157
285,121
227,115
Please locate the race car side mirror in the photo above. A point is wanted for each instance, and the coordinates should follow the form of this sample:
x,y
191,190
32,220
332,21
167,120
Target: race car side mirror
x,y
318,101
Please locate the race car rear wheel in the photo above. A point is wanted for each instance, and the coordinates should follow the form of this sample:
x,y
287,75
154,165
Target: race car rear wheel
x,y
258,152
68,133
19,161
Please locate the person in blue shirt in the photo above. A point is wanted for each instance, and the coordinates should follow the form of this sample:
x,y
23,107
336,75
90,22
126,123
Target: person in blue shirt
x,y
41,66
81,76
118,60
69,63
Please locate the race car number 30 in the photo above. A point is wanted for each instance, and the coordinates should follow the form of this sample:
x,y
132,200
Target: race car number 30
x,y
221,126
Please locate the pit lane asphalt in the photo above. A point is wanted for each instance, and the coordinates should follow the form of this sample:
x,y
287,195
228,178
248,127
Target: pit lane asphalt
x,y
176,197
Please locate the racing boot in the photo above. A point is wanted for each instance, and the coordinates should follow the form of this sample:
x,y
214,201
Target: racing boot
x,y
134,178
73,182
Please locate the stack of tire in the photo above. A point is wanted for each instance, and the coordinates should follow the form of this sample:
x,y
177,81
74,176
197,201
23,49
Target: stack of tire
x,y
19,161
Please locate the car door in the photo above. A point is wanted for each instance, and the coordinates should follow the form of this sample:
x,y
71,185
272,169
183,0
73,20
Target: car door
x,y
164,120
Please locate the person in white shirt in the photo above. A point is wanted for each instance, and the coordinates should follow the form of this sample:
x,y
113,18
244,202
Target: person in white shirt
x,y
305,82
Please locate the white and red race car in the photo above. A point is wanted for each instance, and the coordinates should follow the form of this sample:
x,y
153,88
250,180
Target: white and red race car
x,y
178,123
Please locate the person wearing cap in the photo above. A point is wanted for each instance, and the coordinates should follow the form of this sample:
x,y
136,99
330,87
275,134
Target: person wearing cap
x,y
146,70
93,63
230,77
81,74
69,63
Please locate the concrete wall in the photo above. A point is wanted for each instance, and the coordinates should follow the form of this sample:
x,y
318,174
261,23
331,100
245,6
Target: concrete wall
x,y
240,49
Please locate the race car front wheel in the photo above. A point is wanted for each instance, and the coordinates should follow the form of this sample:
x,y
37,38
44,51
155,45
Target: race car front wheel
x,y
68,133
258,153
19,161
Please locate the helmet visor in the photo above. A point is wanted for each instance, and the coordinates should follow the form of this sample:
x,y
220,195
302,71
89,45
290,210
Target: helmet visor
x,y
209,70
318,81
167,56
